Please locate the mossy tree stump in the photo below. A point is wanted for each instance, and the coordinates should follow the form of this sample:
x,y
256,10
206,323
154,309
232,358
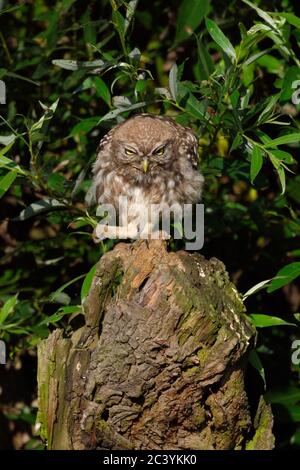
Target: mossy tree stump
x,y
159,363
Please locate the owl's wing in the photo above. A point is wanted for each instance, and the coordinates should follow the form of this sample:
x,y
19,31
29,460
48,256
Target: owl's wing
x,y
97,188
191,147
104,141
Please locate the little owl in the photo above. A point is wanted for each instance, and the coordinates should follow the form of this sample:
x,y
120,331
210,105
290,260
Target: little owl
x,y
147,160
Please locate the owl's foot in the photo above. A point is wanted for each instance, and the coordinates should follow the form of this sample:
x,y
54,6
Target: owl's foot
x,y
159,235
101,232
149,232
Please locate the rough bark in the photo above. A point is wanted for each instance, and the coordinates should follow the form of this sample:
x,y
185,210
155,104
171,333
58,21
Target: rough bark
x,y
159,363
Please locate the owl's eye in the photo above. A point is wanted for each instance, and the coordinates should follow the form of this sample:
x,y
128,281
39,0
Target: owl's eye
x,y
159,152
129,151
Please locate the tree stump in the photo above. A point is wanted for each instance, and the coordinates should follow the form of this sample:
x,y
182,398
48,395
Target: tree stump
x,y
159,363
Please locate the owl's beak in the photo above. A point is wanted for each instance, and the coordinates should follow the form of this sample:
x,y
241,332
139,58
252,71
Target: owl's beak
x,y
145,165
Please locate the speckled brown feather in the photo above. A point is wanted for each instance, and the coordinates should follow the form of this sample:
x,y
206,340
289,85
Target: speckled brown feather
x,y
174,178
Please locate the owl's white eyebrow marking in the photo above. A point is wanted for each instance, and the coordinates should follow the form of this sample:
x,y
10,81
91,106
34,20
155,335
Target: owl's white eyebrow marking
x,y
129,145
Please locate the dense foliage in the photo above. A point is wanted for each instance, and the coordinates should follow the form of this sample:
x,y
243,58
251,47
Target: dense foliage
x,y
72,70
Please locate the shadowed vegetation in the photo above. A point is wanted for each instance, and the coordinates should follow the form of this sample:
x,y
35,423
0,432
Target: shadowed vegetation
x,y
71,71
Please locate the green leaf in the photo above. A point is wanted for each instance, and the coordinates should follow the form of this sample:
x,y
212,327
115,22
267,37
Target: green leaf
x,y
271,64
115,112
6,181
256,162
264,15
285,396
89,29
220,38
279,168
163,92
7,139
290,18
77,65
121,102
9,9
85,126
140,86
284,139
49,111
295,439
61,312
291,76
19,77
15,330
268,109
190,15
86,285
119,22
283,156
245,99
294,413
61,298
8,308
191,104
50,33
205,63
195,107
234,98
263,321
281,175
284,276
4,151
173,81
255,361
261,285
237,141
135,55
275,161
102,90
66,4
56,182
131,7
256,56
55,295
38,207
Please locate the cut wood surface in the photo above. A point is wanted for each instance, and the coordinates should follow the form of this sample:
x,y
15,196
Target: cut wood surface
x,y
159,363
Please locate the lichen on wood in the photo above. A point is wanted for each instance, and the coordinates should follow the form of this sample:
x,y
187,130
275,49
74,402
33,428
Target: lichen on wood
x,y
159,363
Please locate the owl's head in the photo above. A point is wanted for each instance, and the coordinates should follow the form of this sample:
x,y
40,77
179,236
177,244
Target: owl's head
x,y
147,150
145,143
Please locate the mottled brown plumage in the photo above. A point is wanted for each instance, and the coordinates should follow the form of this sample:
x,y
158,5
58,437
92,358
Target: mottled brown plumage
x,y
148,159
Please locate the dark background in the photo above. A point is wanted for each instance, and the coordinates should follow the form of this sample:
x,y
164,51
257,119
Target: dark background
x,y
251,227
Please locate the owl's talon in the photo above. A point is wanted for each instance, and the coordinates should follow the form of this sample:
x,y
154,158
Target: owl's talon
x,y
99,233
96,238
